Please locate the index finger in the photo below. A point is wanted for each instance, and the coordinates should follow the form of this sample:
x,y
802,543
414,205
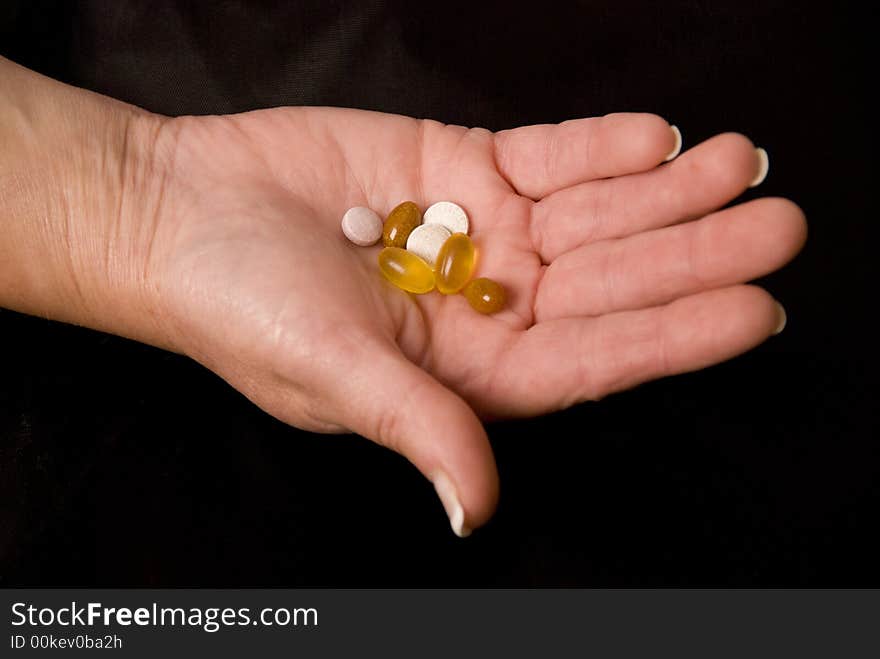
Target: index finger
x,y
539,160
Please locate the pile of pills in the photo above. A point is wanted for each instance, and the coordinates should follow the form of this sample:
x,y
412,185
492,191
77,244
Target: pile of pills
x,y
426,252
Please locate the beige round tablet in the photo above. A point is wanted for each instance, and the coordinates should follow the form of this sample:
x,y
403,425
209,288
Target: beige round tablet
x,y
450,215
362,226
426,240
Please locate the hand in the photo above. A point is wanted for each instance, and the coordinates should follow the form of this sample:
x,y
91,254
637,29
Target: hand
x,y
612,279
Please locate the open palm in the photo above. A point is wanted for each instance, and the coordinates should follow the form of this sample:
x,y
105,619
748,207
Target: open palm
x,y
617,270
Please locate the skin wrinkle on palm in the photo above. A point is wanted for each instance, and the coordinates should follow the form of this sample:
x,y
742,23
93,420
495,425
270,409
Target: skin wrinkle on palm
x,y
250,276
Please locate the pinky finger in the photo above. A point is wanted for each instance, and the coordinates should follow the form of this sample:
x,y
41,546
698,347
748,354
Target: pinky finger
x,y
571,360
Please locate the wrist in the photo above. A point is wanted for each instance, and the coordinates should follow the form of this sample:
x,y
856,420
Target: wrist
x,y
77,197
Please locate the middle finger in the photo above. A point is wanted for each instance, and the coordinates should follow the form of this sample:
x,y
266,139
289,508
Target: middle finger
x,y
728,247
698,182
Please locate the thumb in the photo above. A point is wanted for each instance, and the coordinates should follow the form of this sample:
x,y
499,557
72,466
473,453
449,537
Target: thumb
x,y
398,405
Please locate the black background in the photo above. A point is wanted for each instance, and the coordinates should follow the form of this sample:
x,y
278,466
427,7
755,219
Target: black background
x,y
123,465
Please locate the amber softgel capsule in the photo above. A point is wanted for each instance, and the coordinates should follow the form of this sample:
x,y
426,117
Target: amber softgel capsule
x,y
406,270
455,263
485,295
399,224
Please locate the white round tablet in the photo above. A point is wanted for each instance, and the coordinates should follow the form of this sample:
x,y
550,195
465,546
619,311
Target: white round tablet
x,y
362,226
426,240
451,216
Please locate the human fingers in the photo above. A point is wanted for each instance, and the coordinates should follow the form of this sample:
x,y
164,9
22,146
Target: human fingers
x,y
385,397
699,181
731,246
538,160
558,363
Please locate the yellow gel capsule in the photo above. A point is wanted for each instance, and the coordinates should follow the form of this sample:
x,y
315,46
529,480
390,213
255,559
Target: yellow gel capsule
x,y
399,224
455,263
406,270
485,295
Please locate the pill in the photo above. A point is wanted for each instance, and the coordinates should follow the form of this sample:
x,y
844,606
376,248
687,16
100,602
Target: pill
x,y
455,263
426,240
485,295
362,226
400,222
406,270
450,215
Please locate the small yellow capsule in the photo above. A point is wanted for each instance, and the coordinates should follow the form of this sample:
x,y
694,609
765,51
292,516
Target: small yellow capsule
x,y
455,263
485,295
399,224
406,270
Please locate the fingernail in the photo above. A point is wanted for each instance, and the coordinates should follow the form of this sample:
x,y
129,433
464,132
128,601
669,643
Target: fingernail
x,y
675,151
449,498
763,167
782,319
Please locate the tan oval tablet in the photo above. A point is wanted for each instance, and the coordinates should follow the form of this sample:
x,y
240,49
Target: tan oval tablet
x,y
362,226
